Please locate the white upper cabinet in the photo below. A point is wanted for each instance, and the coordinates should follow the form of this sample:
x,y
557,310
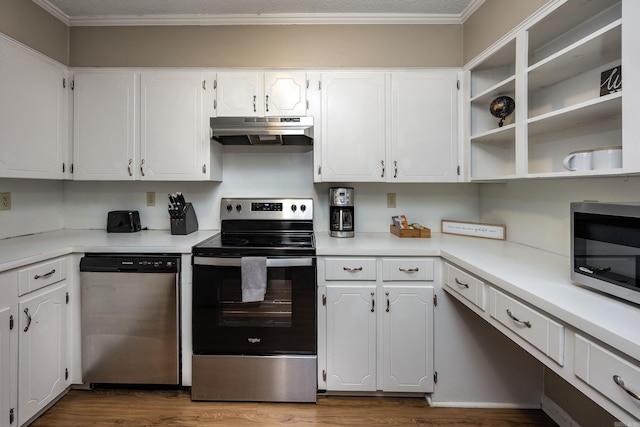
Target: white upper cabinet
x,y
173,131
33,114
144,126
258,94
105,127
389,127
423,145
354,126
556,71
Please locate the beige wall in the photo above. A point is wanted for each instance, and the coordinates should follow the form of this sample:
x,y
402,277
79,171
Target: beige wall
x,y
28,23
492,20
301,46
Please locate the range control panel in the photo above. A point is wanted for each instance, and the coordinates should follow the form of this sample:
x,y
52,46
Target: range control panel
x,y
257,209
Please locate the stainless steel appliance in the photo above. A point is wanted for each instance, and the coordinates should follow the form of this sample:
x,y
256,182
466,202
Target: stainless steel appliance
x,y
264,349
605,248
262,130
341,212
130,319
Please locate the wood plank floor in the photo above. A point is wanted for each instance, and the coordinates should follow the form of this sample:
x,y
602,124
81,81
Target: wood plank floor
x,y
101,408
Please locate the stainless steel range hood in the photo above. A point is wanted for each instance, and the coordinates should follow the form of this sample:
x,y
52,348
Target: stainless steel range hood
x,y
263,130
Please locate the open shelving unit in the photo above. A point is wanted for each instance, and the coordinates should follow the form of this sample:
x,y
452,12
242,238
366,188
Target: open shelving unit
x,y
552,69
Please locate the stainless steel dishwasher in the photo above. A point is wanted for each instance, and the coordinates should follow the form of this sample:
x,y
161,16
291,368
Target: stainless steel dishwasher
x,y
130,319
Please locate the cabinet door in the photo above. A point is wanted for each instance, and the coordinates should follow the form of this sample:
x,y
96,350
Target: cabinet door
x,y
239,94
285,94
351,338
32,120
42,350
424,144
8,365
353,127
407,338
171,126
104,126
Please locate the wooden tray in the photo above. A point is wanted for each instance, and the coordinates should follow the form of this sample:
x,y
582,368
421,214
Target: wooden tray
x,y
410,232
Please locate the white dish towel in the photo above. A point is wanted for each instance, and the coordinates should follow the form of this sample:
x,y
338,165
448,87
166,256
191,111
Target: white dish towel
x,y
254,278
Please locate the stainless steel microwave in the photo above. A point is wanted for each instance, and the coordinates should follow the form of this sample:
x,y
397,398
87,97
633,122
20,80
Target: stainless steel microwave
x,y
605,248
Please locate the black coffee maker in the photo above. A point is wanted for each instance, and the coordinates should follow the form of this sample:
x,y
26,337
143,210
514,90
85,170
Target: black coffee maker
x,y
341,219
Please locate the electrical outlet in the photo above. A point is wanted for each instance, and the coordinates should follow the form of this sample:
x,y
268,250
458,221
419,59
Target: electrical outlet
x,y
391,200
151,198
5,201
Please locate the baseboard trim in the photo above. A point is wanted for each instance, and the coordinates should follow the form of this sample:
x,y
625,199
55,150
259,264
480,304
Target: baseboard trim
x,y
556,413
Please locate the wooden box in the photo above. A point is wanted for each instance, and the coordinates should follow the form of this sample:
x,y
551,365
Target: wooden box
x,y
410,232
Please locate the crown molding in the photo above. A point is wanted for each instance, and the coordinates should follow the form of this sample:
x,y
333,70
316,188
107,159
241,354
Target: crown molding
x,y
263,19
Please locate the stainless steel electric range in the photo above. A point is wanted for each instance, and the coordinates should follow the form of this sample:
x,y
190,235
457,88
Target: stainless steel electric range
x,y
254,304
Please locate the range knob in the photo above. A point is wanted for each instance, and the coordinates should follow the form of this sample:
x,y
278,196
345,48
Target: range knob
x,y
229,207
294,208
303,208
239,207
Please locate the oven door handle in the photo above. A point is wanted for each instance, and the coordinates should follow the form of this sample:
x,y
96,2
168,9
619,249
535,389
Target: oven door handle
x,y
271,262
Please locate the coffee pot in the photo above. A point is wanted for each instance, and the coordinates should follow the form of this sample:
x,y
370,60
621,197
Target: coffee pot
x,y
341,212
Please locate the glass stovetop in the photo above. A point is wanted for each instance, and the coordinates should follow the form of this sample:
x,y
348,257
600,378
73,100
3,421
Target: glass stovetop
x,y
258,244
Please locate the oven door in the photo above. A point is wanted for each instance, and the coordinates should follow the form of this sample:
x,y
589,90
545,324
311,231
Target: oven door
x,y
284,323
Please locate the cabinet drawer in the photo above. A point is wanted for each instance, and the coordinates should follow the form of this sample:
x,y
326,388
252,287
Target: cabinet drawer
x,y
465,285
542,332
350,269
598,368
407,269
39,275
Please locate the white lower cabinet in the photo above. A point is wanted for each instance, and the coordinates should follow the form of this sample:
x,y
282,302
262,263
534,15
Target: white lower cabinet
x,y
376,335
33,339
42,349
612,376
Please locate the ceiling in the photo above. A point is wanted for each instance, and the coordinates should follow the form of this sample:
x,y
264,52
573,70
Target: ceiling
x,y
234,12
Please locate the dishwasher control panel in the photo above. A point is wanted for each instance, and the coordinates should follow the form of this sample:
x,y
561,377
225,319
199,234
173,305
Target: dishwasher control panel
x,y
114,263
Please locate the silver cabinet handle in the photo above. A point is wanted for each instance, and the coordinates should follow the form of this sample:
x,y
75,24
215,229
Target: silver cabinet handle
x,y
129,167
382,163
515,319
395,169
26,311
204,85
44,276
142,167
373,302
618,380
352,268
387,294
267,104
464,285
254,103
409,270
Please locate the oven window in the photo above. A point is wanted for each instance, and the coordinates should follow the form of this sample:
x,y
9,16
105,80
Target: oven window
x,y
607,247
274,312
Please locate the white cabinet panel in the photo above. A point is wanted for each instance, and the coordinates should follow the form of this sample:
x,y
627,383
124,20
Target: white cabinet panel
x,y
105,134
172,134
612,376
465,285
238,94
351,338
407,269
424,111
350,269
285,93
42,349
43,274
407,336
542,332
354,127
33,108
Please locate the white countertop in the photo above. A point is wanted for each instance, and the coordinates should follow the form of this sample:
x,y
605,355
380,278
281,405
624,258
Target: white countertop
x,y
23,250
535,276
538,277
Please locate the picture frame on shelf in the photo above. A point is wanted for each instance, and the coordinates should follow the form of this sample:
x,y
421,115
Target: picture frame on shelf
x,y
611,81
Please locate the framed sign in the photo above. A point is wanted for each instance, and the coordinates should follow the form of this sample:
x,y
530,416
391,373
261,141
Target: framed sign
x,y
611,81
475,229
